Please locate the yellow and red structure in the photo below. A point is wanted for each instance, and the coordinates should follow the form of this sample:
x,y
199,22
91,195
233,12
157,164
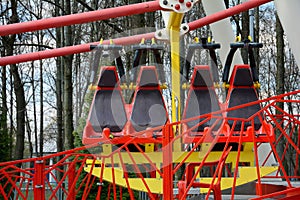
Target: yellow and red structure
x,y
111,165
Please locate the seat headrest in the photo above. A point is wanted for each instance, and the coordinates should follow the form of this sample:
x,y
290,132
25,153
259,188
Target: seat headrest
x,y
147,77
108,77
243,77
202,77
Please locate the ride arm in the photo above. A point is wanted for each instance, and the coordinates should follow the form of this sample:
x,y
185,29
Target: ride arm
x,y
187,65
233,47
95,66
228,64
211,47
136,61
119,64
253,65
214,65
160,63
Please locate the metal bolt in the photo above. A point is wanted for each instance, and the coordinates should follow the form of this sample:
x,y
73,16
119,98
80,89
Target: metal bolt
x,y
188,4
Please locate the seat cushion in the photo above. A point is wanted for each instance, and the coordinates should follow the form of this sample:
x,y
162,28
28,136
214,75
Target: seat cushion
x,y
200,102
148,110
241,96
108,111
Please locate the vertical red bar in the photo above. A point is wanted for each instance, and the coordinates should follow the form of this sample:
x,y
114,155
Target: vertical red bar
x,y
39,180
71,181
167,164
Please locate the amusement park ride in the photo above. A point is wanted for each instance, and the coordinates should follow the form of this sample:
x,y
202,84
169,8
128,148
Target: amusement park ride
x,y
211,150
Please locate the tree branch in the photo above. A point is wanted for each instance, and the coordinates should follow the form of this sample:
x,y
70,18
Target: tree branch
x,y
33,45
115,27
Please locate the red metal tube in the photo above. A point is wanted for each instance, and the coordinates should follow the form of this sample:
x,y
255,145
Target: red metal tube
x,y
226,13
80,18
69,50
39,180
167,163
127,40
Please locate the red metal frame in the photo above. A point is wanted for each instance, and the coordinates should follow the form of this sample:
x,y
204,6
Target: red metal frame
x,y
20,181
80,18
226,13
124,41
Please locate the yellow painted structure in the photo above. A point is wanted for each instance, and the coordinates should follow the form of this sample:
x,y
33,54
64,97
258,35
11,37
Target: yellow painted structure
x,y
116,175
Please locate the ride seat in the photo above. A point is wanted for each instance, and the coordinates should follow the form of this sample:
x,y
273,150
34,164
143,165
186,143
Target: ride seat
x,y
202,99
107,108
242,91
148,109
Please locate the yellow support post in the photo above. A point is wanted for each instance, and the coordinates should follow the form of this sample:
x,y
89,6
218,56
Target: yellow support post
x,y
174,33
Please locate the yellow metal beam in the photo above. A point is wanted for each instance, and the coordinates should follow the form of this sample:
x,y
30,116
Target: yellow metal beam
x,y
174,33
177,157
246,175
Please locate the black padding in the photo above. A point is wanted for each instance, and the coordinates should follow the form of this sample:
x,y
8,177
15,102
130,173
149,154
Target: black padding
x,y
241,96
203,78
107,78
108,111
243,77
94,121
148,78
200,102
148,110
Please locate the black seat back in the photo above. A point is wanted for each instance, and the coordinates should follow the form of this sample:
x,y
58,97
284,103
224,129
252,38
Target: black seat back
x,y
241,92
108,105
148,105
202,99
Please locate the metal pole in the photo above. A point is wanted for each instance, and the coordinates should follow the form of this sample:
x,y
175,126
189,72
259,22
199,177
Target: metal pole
x,y
69,50
226,13
167,164
80,18
128,40
39,180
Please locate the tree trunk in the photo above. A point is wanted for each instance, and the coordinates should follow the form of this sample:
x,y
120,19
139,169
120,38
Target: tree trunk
x,y
280,81
245,34
8,42
4,134
256,37
280,60
21,107
34,110
59,111
68,87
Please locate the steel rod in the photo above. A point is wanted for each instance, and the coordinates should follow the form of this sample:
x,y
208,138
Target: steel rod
x,y
127,40
80,18
226,13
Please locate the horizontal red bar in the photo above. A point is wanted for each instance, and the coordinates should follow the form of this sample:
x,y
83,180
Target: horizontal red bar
x,y
69,50
80,18
127,40
226,13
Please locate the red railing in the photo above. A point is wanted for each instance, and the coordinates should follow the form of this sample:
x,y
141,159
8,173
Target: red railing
x,y
82,172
